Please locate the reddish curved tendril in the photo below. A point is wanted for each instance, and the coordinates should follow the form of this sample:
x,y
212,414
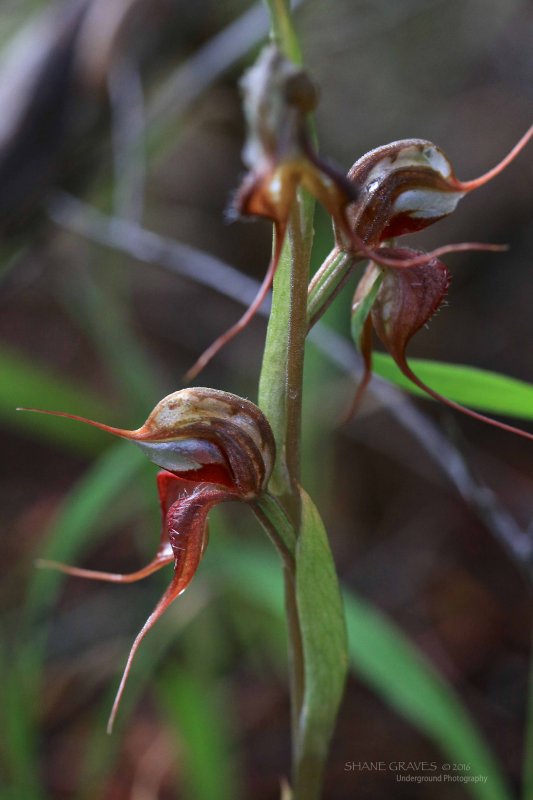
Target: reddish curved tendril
x,y
221,341
468,186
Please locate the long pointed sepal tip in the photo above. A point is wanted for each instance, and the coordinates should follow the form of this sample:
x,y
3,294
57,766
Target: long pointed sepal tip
x,y
476,183
122,685
121,432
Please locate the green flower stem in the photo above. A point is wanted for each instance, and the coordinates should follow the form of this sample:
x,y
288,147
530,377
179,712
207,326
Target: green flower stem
x,y
280,383
327,282
283,33
274,518
296,679
273,396
280,398
287,514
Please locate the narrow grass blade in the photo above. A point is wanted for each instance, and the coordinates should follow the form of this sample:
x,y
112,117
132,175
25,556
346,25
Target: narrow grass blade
x,y
472,387
199,713
102,752
382,656
100,309
19,742
324,643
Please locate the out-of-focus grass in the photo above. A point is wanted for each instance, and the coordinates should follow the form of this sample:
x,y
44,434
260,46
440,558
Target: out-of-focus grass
x,y
99,303
199,714
383,657
24,383
83,517
20,677
528,748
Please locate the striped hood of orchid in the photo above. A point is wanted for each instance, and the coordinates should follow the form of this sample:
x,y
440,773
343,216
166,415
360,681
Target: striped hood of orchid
x,y
402,188
213,447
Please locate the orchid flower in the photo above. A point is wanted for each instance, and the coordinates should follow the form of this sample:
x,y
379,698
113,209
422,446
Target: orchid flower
x,y
213,447
404,187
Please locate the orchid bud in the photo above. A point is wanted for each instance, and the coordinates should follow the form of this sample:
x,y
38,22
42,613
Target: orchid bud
x,y
213,447
278,96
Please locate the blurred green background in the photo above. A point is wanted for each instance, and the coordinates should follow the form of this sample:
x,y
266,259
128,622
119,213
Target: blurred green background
x,y
133,108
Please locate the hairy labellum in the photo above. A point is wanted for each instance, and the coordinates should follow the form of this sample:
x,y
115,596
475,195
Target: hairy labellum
x,y
214,447
406,301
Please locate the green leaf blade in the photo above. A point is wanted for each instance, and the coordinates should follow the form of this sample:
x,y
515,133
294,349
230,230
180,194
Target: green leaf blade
x,y
324,642
199,715
470,386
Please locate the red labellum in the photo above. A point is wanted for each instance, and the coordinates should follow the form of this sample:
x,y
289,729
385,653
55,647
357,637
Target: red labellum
x,y
185,533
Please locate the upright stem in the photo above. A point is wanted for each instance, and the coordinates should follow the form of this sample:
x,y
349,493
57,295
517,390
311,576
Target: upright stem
x,y
300,238
283,32
280,398
280,393
280,383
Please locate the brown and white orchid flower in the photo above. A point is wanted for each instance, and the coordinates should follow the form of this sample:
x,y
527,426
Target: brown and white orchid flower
x,y
404,187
